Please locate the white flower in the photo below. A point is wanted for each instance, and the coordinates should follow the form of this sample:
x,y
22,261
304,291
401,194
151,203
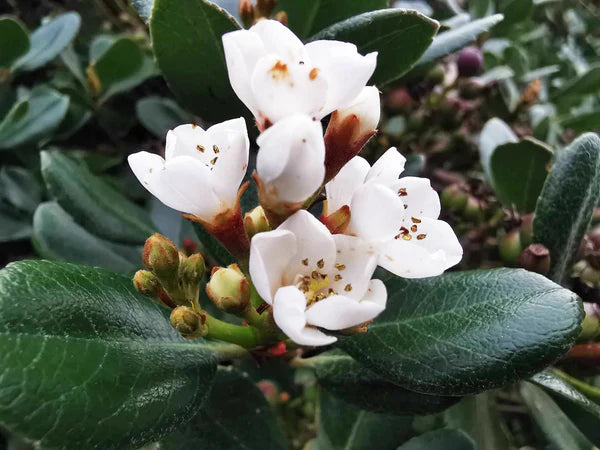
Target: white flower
x,y
276,75
202,170
315,279
290,161
397,216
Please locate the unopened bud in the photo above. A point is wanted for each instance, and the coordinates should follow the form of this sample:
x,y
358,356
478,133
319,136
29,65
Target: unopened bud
x,y
228,289
145,282
399,99
510,248
470,62
246,12
590,327
587,274
454,198
191,269
189,323
526,229
535,258
256,221
281,17
266,7
474,211
349,130
436,74
161,257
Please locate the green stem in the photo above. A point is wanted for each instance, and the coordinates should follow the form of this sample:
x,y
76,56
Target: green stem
x,y
589,390
226,352
246,337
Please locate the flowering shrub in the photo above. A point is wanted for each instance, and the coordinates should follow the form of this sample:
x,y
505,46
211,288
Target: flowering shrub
x,y
302,285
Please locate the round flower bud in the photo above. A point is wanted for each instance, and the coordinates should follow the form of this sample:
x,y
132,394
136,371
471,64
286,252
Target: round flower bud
x,y
246,12
256,221
510,247
191,269
473,211
189,323
228,289
454,198
470,62
146,283
161,257
535,258
436,74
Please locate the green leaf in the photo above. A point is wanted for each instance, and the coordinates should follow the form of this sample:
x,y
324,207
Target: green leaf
x,y
495,132
518,171
456,38
49,40
440,439
515,11
554,423
93,203
186,38
33,120
20,188
480,8
348,380
581,410
346,427
59,238
582,122
585,84
13,228
384,32
307,17
464,332
14,41
87,362
235,415
160,114
567,202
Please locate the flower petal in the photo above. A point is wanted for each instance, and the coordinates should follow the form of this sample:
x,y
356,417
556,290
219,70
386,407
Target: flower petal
x,y
288,312
339,312
426,257
270,253
419,198
356,261
282,88
313,242
376,213
279,39
387,168
342,187
187,140
377,293
346,70
291,158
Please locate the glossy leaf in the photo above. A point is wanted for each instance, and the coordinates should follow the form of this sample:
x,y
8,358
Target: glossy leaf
x,y
13,228
348,380
567,201
586,83
495,132
20,188
89,362
518,172
14,41
235,415
582,122
49,40
34,119
346,427
186,38
97,206
457,38
515,11
442,439
160,114
59,238
464,332
384,32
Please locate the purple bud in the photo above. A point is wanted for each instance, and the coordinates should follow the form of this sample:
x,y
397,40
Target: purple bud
x,y
470,61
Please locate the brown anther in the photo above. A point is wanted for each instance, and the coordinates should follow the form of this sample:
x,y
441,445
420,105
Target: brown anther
x,y
406,237
214,160
404,230
415,220
348,288
200,148
414,228
340,266
331,292
215,149
314,275
421,236
305,261
194,125
320,263
337,277
313,73
402,192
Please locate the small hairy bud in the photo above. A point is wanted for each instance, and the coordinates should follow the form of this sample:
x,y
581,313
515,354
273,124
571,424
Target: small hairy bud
x,y
187,322
191,269
474,211
282,17
510,247
146,283
266,7
454,198
535,258
256,221
470,62
161,257
246,12
436,74
228,289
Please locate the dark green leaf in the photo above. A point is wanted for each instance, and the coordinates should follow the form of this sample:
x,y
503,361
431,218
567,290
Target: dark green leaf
x,y
455,39
87,362
515,11
13,228
49,40
465,332
235,415
160,114
14,41
59,238
186,38
554,423
518,172
585,84
582,122
480,8
307,17
94,204
495,132
385,32
346,427
20,188
7,98
348,380
440,439
33,120
567,202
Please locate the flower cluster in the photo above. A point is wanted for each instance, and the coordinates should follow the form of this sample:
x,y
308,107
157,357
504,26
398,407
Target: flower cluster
x,y
312,273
